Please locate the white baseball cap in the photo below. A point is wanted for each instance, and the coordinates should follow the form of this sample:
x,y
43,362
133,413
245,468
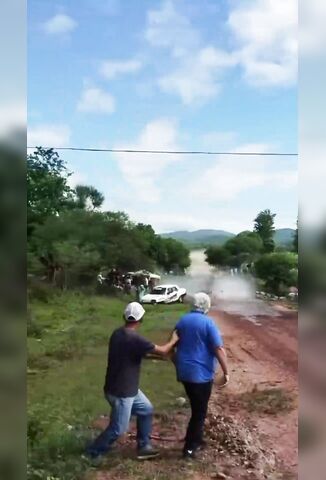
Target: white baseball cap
x,y
134,312
201,302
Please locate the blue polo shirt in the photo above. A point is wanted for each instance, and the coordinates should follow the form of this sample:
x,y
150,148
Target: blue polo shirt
x,y
195,357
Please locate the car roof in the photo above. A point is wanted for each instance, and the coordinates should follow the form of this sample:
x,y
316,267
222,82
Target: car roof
x,y
166,286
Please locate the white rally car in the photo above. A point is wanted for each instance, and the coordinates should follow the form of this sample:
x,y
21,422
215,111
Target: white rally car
x,y
165,294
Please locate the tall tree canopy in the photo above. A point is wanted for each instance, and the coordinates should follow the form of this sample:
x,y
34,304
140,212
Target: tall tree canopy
x,y
264,226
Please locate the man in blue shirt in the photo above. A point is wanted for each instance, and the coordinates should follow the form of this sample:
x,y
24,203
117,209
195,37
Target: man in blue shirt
x,y
199,350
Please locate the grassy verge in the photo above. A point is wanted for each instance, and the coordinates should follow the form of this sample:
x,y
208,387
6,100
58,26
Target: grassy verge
x,y
270,401
67,346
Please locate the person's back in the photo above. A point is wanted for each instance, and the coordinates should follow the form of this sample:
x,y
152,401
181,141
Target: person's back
x,y
195,356
126,350
200,345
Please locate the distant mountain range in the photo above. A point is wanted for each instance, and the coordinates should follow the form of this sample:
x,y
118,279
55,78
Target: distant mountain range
x,y
283,236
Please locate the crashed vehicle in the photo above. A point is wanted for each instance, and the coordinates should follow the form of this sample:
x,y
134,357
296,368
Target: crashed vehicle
x,y
165,294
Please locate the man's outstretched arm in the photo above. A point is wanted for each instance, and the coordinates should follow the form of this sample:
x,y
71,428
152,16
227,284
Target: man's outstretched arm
x,y
164,350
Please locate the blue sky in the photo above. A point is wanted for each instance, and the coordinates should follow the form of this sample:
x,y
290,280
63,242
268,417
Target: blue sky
x,y
171,74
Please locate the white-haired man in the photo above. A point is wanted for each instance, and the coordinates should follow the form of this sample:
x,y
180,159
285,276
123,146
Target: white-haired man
x,y
126,350
199,349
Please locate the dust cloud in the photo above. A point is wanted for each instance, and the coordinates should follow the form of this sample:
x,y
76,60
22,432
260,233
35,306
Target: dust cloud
x,y
231,293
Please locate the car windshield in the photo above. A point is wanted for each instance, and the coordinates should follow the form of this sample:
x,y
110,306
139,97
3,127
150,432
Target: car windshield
x,y
159,291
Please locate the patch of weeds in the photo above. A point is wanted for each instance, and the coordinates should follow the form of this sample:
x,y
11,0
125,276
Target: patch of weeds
x,y
38,362
33,329
55,452
270,401
42,292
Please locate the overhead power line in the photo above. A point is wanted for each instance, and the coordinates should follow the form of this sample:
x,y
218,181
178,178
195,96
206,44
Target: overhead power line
x,y
173,152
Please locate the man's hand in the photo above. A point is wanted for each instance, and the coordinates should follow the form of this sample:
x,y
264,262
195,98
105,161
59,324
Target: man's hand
x,y
226,379
174,337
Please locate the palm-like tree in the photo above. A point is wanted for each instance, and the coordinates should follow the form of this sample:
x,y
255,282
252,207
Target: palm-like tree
x,y
86,194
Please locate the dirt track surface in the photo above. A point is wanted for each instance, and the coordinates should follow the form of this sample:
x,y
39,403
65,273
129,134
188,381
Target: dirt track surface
x,y
262,357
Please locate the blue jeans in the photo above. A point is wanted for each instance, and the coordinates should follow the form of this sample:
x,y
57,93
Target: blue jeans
x,y
121,411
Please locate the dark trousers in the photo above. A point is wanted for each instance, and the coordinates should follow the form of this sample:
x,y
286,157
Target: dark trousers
x,y
198,394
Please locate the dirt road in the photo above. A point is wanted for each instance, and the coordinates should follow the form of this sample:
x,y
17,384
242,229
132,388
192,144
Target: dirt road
x,y
263,357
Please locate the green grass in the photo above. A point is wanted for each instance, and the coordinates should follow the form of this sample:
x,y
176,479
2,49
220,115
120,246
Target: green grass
x,y
67,347
270,401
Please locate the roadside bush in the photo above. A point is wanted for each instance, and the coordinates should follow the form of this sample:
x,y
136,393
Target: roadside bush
x,y
278,270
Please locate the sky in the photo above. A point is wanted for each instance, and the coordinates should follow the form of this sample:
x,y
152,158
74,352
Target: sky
x,y
170,75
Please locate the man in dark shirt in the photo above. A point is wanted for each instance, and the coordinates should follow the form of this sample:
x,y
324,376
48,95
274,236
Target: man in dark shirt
x,y
126,350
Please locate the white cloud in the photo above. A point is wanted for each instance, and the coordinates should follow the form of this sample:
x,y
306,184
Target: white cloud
x,y
265,33
266,49
48,135
95,100
169,29
143,170
112,68
231,176
59,24
197,78
77,178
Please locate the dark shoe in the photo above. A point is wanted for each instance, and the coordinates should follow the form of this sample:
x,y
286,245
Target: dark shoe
x,y
189,454
95,458
147,453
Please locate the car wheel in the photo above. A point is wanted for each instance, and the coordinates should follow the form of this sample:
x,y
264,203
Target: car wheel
x,y
153,302
181,299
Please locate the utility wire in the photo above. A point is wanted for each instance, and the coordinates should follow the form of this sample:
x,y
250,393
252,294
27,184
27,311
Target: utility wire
x,y
172,152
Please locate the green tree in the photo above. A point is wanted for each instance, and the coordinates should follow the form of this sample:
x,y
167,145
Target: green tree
x,y
79,263
48,192
242,248
264,226
217,256
278,270
177,256
245,242
87,195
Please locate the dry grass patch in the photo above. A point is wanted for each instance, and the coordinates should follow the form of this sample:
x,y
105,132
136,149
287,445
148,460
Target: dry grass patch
x,y
270,401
